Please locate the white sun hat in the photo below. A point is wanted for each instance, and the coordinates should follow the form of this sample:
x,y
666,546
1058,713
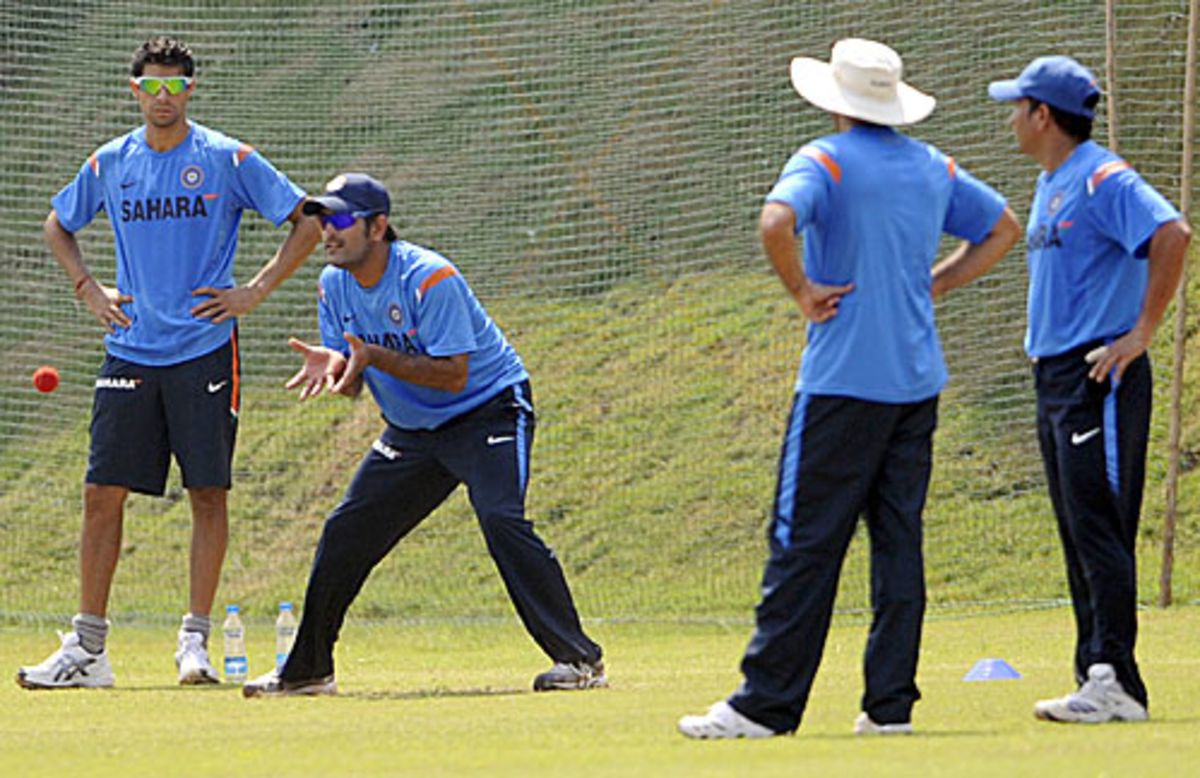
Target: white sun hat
x,y
862,81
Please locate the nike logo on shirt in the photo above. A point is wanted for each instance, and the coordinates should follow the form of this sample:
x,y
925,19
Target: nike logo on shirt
x,y
1079,438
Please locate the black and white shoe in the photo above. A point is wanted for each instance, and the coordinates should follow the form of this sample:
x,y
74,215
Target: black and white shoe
x,y
70,667
572,675
271,685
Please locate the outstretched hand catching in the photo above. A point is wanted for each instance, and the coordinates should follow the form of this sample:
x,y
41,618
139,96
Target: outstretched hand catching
x,y
321,370
350,381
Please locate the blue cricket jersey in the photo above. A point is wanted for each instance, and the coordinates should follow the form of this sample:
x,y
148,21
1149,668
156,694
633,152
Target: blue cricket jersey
x,y
174,216
1089,231
421,306
872,204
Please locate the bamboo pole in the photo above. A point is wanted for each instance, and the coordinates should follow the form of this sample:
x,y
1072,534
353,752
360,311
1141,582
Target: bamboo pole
x,y
1175,431
1110,70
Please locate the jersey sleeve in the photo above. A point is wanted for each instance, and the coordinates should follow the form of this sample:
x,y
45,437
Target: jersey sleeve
x,y
260,186
328,317
1125,208
974,206
79,201
446,328
806,183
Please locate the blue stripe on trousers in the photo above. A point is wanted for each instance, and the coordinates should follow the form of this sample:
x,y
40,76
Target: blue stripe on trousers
x,y
522,432
1112,451
785,513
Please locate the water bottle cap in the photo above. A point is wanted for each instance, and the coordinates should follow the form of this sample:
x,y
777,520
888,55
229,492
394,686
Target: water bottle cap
x,y
232,609
285,606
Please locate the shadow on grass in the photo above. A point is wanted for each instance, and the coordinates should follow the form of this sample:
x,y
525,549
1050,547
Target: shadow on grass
x,y
366,694
1189,721
205,689
919,734
434,693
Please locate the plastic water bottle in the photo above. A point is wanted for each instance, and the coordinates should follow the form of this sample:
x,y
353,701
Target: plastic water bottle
x,y
285,633
236,666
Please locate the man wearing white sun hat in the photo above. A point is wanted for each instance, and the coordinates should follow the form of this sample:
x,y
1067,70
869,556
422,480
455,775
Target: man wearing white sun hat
x,y
872,205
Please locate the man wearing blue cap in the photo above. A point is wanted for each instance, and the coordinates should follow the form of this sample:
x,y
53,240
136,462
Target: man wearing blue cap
x,y
456,398
1105,255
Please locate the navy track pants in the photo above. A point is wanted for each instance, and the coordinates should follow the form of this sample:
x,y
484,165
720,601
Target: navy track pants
x,y
842,457
401,480
1093,438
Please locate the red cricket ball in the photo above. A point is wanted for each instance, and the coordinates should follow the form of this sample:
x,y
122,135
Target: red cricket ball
x,y
45,378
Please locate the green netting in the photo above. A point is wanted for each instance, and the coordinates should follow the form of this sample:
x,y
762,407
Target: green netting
x,y
596,170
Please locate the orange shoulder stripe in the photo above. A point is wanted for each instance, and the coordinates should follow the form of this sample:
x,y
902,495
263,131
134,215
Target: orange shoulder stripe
x,y
243,151
1106,170
94,164
435,279
825,161
951,167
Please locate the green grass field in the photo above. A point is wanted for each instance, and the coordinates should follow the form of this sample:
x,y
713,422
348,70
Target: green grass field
x,y
615,243
453,699
655,501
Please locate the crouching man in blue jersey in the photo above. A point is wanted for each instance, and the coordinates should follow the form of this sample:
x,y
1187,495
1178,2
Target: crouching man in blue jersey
x,y
174,193
1105,254
456,398
872,204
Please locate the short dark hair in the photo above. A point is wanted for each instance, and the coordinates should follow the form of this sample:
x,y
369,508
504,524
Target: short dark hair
x,y
163,50
1077,127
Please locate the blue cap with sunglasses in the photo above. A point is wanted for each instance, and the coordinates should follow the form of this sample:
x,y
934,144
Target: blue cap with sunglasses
x,y
1057,81
356,194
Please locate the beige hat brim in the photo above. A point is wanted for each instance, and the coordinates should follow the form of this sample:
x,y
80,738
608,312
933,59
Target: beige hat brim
x,y
814,81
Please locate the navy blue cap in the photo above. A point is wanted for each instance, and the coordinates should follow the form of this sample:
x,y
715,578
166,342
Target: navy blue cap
x,y
354,193
1057,81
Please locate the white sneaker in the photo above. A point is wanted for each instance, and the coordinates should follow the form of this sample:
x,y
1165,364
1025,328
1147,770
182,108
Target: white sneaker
x,y
69,667
270,685
192,660
722,721
865,725
1099,700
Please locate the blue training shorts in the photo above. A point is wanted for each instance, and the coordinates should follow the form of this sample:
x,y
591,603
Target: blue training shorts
x,y
141,415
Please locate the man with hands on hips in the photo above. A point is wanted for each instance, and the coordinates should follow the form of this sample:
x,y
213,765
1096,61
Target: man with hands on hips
x,y
1105,254
174,193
